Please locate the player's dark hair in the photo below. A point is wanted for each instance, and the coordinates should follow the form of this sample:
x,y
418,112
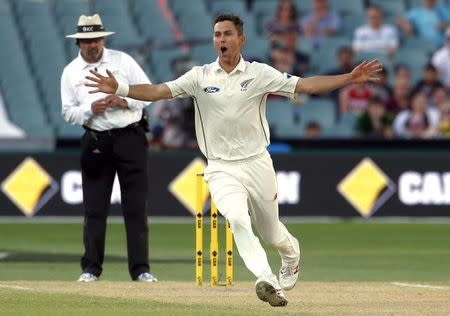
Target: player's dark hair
x,y
235,19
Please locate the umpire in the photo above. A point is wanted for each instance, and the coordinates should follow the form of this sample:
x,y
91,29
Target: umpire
x,y
114,142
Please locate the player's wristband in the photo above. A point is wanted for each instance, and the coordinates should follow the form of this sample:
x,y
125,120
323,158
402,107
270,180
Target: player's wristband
x,y
122,89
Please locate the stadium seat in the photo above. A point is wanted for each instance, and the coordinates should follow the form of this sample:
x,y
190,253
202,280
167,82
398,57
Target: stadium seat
x,y
191,7
324,58
415,59
305,45
389,7
161,63
303,7
413,42
5,8
40,46
414,3
151,22
345,127
25,109
279,114
320,110
348,7
196,27
250,26
351,22
264,7
229,6
256,48
68,131
126,34
261,22
115,16
203,53
71,8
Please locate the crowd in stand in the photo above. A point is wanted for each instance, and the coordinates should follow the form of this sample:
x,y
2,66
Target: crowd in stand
x,y
395,107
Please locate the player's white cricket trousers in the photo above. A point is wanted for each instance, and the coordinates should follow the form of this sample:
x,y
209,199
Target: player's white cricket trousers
x,y
245,192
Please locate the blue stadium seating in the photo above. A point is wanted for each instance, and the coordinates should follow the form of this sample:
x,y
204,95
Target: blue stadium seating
x,y
348,7
389,7
279,114
36,59
115,16
191,7
229,6
151,22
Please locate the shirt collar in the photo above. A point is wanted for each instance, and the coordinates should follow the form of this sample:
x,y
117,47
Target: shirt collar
x,y
241,66
104,60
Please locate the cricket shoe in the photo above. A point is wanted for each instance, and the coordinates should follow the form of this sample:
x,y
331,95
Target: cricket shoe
x,y
146,277
268,292
289,275
87,277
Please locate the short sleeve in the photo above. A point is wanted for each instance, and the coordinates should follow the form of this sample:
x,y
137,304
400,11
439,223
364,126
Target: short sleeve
x,y
275,82
411,16
185,85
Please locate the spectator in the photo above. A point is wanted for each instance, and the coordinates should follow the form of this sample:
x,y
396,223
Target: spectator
x,y
173,120
313,130
382,88
287,60
354,98
375,121
399,100
375,36
418,122
345,63
427,21
401,71
441,61
8,130
440,97
429,83
284,24
444,121
320,23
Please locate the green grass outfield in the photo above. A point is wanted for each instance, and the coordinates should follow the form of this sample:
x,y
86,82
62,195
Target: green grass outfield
x,y
334,253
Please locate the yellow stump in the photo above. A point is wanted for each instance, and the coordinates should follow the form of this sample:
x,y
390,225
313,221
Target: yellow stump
x,y
229,254
214,246
198,230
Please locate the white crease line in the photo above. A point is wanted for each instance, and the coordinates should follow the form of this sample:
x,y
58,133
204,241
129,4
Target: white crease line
x,y
15,287
422,286
3,255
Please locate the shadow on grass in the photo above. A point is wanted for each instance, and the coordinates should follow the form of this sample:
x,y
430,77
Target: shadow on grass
x,y
28,256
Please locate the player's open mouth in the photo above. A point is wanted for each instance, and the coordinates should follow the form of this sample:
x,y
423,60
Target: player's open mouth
x,y
223,49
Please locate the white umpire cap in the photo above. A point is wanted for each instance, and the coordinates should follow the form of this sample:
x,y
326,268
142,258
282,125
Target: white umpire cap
x,y
90,27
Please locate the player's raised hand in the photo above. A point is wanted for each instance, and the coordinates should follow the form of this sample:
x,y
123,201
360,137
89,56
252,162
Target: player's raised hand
x,y
366,71
103,84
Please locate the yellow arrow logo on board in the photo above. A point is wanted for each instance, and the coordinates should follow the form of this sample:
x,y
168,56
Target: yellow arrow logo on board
x,y
183,186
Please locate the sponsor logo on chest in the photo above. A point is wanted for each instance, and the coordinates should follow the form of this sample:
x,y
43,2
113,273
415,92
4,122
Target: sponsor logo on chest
x,y
211,89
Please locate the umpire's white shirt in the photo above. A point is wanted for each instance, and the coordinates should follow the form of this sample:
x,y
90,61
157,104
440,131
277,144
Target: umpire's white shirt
x,y
230,109
76,100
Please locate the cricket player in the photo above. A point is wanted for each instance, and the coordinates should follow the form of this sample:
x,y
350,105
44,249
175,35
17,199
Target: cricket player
x,y
233,134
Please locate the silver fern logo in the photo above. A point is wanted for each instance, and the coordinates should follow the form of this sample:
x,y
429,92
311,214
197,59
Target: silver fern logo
x,y
245,84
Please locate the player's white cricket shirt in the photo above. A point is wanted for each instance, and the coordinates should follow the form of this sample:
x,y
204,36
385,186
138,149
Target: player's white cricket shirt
x,y
230,109
76,99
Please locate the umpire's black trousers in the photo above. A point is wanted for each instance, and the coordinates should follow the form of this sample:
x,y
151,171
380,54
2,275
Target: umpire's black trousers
x,y
103,154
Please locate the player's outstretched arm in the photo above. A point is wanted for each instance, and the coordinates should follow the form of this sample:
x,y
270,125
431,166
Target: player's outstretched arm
x,y
364,72
143,92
